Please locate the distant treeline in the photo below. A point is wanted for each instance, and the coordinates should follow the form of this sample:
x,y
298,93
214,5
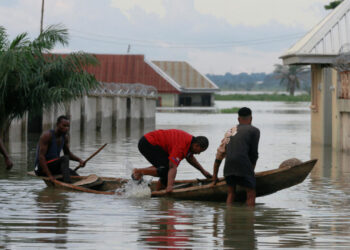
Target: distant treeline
x,y
256,82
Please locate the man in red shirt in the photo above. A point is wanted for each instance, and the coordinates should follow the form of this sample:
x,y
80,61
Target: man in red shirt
x,y
164,149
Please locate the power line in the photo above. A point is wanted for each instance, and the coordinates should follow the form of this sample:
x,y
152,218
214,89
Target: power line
x,y
166,45
92,36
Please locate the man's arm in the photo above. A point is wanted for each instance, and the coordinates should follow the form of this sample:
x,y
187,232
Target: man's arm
x,y
193,161
3,151
44,144
221,153
66,151
217,164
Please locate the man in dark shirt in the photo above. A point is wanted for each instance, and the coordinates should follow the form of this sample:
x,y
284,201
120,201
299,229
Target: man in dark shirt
x,y
240,147
48,160
165,149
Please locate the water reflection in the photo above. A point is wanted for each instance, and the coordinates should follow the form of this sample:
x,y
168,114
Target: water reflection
x,y
52,222
172,229
239,228
184,225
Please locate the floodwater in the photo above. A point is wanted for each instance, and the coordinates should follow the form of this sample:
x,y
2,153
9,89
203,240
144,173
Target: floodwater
x,y
311,215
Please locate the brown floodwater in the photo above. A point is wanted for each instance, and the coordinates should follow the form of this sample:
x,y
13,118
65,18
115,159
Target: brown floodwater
x,y
311,215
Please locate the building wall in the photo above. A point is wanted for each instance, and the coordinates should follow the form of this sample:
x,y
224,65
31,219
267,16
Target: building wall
x,y
330,116
168,100
317,105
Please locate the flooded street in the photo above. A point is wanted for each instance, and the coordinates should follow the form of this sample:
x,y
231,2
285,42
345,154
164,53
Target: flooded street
x,y
311,215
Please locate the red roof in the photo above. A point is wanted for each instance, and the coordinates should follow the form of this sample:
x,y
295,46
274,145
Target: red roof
x,y
129,69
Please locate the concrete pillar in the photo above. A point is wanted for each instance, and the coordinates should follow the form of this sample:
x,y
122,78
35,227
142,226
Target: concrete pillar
x,y
74,114
88,113
135,112
18,129
49,118
120,112
148,113
105,113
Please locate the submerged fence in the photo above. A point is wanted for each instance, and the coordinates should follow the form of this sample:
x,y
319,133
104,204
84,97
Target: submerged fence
x,y
110,106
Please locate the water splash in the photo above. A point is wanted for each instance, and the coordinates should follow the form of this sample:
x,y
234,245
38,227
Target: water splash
x,y
133,189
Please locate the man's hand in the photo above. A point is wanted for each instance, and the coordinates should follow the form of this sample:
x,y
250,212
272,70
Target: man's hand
x,y
169,189
215,180
207,174
82,163
8,163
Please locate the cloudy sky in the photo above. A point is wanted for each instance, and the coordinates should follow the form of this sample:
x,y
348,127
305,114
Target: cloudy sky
x,y
215,36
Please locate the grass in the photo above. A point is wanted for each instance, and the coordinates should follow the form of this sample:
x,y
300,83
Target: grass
x,y
229,111
264,97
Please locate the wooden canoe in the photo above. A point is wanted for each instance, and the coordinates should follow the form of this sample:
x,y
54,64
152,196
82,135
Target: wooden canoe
x,y
267,182
105,185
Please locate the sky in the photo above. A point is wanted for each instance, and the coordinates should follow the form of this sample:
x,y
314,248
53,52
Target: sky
x,y
214,36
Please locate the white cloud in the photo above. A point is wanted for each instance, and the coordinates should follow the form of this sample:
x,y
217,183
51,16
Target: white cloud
x,y
237,60
257,12
149,6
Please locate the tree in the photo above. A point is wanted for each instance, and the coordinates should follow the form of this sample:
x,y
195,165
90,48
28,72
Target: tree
x,y
33,79
289,75
332,5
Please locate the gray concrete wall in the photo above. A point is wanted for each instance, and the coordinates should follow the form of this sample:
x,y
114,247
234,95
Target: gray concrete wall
x,y
89,112
105,113
18,129
120,112
50,115
115,114
148,112
74,113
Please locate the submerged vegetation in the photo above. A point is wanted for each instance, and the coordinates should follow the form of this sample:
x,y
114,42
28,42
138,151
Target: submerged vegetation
x,y
233,110
264,97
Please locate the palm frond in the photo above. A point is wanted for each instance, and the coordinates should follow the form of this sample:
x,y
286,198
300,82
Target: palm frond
x,y
32,81
20,41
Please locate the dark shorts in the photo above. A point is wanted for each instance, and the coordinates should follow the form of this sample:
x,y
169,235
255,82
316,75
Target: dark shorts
x,y
57,166
157,157
244,181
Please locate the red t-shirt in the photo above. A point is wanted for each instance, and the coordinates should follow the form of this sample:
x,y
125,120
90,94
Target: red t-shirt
x,y
174,141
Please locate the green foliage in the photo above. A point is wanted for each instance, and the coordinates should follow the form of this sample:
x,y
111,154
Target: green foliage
x,y
264,97
332,5
233,110
32,79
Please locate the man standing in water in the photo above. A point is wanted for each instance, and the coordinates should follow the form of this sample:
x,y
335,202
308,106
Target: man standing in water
x,y
48,161
164,149
240,147
3,151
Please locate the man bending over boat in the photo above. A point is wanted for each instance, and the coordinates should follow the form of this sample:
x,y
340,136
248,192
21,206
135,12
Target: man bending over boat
x,y
48,161
164,149
240,147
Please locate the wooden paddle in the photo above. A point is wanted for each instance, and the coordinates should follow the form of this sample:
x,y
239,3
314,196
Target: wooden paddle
x,y
91,156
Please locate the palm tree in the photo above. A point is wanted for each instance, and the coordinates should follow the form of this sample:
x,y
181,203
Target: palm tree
x,y
33,79
289,75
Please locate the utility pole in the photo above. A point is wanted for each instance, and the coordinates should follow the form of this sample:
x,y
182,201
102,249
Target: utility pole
x,y
42,16
129,48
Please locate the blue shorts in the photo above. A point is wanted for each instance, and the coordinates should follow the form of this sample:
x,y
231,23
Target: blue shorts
x,y
244,181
